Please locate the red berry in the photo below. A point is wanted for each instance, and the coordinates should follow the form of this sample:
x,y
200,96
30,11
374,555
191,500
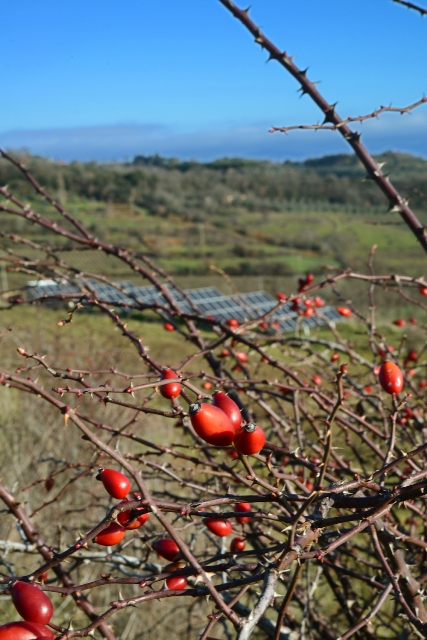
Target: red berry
x,y
168,326
307,313
263,325
237,544
48,483
295,304
115,483
219,527
133,518
281,297
249,439
224,353
242,356
113,534
172,389
24,631
211,424
31,602
166,548
422,384
232,454
423,290
243,507
43,577
413,320
319,302
344,311
301,284
317,380
176,582
305,282
207,385
399,322
335,356
232,322
391,378
226,404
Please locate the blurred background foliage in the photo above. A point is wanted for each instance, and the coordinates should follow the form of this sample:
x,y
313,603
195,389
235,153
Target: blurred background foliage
x,y
250,218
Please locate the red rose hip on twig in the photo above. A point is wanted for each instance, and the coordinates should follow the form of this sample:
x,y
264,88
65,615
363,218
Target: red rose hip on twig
x,y
113,534
133,518
175,582
212,424
115,483
237,544
219,526
171,389
391,378
31,602
249,439
166,548
226,404
243,507
24,630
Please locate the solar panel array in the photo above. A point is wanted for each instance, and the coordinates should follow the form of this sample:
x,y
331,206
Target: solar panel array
x,y
209,301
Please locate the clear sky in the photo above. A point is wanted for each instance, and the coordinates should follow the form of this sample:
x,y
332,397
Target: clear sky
x,y
111,78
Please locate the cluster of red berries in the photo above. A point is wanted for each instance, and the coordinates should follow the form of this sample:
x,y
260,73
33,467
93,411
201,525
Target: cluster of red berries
x,y
222,528
220,423
118,486
34,606
168,549
305,282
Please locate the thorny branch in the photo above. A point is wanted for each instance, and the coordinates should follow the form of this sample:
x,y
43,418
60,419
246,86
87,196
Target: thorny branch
x,y
350,503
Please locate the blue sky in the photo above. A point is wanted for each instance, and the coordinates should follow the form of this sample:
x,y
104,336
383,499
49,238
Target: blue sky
x,y
109,79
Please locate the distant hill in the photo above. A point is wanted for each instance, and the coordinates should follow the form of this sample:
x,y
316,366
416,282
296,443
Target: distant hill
x,y
342,164
250,218
183,187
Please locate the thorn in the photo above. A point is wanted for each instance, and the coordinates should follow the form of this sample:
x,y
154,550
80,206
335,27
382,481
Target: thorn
x,y
329,114
354,136
368,176
304,72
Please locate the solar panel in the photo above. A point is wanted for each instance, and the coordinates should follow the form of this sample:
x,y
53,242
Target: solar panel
x,y
208,300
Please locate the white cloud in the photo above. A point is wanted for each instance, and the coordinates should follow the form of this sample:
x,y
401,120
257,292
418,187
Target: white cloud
x,y
406,133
